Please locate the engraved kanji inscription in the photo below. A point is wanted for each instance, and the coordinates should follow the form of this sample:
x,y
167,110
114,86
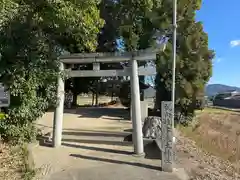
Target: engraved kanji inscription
x,y
167,133
168,155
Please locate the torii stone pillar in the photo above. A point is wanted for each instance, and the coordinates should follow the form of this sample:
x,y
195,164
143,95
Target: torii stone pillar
x,y
136,110
58,114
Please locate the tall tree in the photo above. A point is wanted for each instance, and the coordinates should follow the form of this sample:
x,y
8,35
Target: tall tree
x,y
106,43
140,20
32,36
194,59
109,33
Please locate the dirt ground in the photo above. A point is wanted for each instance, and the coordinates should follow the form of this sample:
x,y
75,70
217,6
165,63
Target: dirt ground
x,y
14,162
9,163
209,149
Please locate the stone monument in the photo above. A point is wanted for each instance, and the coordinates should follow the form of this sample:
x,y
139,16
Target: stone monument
x,y
167,136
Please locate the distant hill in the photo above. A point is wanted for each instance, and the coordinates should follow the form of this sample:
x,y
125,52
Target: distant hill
x,y
213,89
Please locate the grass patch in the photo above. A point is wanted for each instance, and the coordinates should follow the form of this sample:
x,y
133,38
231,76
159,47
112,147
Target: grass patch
x,y
217,132
213,110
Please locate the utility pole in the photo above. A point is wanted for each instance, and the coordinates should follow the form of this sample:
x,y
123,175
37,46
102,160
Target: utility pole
x,y
174,47
167,107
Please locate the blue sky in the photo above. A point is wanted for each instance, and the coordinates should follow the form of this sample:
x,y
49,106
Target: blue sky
x,y
221,20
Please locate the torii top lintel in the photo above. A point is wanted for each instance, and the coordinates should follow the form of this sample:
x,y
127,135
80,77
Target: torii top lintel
x,y
107,57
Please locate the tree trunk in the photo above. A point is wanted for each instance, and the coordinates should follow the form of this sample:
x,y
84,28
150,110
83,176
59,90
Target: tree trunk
x,y
93,98
97,92
157,103
74,103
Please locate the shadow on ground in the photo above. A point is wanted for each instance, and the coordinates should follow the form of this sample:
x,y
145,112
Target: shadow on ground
x,y
98,112
111,113
95,133
92,141
151,149
80,137
116,161
115,151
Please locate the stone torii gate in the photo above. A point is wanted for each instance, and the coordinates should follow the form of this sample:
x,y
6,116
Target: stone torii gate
x,y
96,59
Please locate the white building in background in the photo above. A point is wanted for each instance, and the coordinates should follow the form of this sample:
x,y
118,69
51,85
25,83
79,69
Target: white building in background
x,y
228,95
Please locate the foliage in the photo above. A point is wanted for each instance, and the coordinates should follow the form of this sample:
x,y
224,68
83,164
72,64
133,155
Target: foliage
x,y
2,116
109,11
32,35
194,60
127,20
133,22
136,22
109,32
106,43
127,24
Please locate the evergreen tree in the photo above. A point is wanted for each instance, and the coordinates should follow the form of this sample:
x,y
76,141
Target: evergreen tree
x,y
32,35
